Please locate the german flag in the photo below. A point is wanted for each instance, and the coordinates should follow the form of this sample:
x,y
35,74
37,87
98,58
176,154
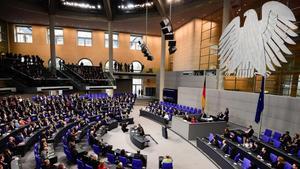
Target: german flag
x,y
203,98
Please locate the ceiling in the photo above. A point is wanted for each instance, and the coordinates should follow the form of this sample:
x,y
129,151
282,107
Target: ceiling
x,y
123,20
130,20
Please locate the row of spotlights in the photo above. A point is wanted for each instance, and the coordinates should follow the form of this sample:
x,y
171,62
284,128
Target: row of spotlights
x,y
166,28
130,6
145,51
81,5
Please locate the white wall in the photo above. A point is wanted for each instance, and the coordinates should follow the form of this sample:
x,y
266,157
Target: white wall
x,y
281,113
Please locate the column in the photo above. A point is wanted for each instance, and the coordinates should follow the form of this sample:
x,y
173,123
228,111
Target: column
x,y
225,21
52,44
110,48
162,67
294,84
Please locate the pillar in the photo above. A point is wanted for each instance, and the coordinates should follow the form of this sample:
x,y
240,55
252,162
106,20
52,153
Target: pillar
x,y
162,67
52,43
110,48
225,22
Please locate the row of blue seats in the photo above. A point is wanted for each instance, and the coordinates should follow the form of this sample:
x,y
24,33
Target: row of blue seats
x,y
246,163
267,137
95,96
191,110
38,159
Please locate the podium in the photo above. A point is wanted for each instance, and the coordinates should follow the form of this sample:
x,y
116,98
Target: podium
x,y
164,130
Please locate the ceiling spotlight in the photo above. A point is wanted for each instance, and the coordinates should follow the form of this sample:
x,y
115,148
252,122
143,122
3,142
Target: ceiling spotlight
x,y
169,36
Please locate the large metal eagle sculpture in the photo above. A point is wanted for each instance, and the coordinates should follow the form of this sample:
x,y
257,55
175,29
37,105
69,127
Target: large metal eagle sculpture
x,y
259,46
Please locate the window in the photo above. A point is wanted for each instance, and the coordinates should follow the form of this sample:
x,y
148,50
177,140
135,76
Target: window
x,y
85,62
23,34
84,38
115,40
58,59
106,66
59,36
137,66
134,42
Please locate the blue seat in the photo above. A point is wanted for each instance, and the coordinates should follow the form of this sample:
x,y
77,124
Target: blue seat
x,y
137,164
239,139
287,166
246,163
88,167
268,132
80,164
210,137
298,154
237,157
276,136
96,149
38,162
167,166
265,139
273,158
124,161
220,143
276,143
111,158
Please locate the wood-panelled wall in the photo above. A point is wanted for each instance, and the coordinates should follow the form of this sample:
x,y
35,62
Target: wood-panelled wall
x,y
97,53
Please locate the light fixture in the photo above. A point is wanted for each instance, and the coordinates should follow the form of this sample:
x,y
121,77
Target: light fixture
x,y
80,5
167,30
131,6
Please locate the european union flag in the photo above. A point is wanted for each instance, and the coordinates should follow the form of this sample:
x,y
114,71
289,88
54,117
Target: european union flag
x,y
261,102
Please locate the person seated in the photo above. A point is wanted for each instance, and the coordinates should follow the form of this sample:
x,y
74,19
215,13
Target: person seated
x,y
11,145
140,130
249,132
214,141
225,146
138,155
285,140
123,153
247,144
101,165
73,151
93,160
167,159
44,153
295,143
280,163
124,127
226,133
264,154
61,166
193,119
3,164
294,166
187,117
254,147
7,156
47,165
119,165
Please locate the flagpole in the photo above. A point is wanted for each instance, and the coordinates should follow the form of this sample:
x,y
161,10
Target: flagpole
x,y
261,115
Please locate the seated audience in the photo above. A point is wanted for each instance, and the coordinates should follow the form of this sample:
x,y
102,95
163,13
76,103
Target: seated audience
x,y
286,140
264,154
138,155
280,163
226,133
249,132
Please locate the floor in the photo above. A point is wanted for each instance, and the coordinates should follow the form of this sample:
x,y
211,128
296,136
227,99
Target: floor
x,y
184,153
